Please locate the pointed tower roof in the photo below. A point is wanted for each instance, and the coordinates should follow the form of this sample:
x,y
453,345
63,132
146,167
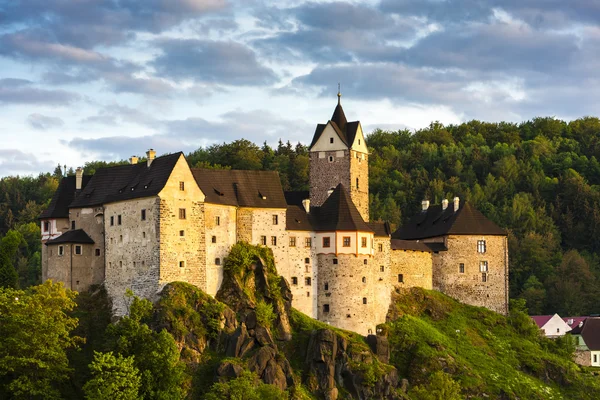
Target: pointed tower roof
x,y
338,213
345,130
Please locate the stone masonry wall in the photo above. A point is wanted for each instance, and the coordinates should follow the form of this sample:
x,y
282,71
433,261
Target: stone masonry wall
x,y
182,257
223,231
262,225
56,228
70,268
416,268
303,291
469,287
383,277
342,288
91,220
325,175
244,225
132,250
359,169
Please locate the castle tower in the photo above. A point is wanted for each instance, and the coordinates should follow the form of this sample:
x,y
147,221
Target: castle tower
x,y
338,154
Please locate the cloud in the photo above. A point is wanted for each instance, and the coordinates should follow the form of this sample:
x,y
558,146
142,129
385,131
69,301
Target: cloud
x,y
21,91
14,161
223,62
43,122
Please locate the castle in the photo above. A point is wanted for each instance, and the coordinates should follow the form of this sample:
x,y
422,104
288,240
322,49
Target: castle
x,y
143,225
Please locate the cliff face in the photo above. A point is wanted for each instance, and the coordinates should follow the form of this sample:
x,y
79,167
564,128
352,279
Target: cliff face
x,y
251,326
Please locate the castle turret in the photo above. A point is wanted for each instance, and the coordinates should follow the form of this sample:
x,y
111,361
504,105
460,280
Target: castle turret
x,y
338,154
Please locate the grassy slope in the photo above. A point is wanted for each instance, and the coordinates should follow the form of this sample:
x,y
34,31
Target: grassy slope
x,y
488,354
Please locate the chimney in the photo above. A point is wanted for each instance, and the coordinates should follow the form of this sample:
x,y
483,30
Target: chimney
x,y
456,203
78,178
306,205
444,204
133,160
150,154
424,205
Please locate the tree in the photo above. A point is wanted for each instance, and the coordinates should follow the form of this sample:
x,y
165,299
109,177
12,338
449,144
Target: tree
x,y
245,387
35,332
9,246
113,377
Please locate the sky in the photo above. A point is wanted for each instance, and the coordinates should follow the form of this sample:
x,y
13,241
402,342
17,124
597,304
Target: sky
x,y
84,80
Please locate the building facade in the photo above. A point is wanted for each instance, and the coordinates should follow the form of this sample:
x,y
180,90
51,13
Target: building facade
x,y
143,225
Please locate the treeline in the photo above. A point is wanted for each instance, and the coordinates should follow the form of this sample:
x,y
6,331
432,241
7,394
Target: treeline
x,y
539,179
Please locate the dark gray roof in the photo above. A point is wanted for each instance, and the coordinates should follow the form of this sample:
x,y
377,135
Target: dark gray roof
x,y
261,189
437,222
590,331
75,236
345,130
296,197
297,219
338,213
415,245
64,195
125,182
380,228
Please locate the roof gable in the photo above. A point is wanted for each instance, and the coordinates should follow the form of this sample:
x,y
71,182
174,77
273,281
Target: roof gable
x,y
259,189
346,132
438,222
125,182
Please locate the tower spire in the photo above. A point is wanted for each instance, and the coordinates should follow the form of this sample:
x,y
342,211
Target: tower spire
x,y
339,94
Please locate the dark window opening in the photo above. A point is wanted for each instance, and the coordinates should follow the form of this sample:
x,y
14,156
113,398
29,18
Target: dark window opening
x,y
382,269
118,220
181,264
182,213
330,140
346,241
326,286
143,215
217,261
365,261
307,281
181,233
326,308
364,300
213,239
307,260
401,278
335,260
72,224
294,280
97,252
112,221
181,185
78,250
273,240
46,226
461,268
326,242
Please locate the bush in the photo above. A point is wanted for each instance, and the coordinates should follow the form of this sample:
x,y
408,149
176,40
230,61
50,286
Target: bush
x,y
265,314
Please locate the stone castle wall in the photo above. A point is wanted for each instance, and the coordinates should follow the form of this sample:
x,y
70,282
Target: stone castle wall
x,y
220,224
304,291
383,277
414,268
343,286
469,286
56,227
359,170
132,250
325,175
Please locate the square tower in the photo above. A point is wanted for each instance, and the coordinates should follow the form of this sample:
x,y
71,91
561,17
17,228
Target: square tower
x,y
338,154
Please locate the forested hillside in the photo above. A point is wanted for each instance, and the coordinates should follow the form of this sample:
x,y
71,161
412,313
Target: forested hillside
x,y
539,179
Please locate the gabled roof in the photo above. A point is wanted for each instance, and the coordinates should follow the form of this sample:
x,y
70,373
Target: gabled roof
x,y
380,228
260,189
295,197
345,130
75,236
125,182
575,321
437,222
541,320
64,195
415,245
338,213
297,219
591,333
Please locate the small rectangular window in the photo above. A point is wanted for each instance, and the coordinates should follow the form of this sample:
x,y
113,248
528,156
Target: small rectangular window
x,y
181,185
401,278
294,280
46,226
112,221
97,252
484,277
181,233
461,268
217,261
273,240
307,294
275,219
307,260
118,220
292,241
335,260
72,224
346,241
61,250
364,300
307,281
213,239
217,220
326,286
325,308
307,242
181,264
380,247
381,268
363,242
331,140
182,213
481,246
78,250
263,240
365,261
144,235
326,242
483,266
356,183
143,215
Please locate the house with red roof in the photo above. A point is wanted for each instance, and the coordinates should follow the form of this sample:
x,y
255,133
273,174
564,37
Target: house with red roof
x,y
551,325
